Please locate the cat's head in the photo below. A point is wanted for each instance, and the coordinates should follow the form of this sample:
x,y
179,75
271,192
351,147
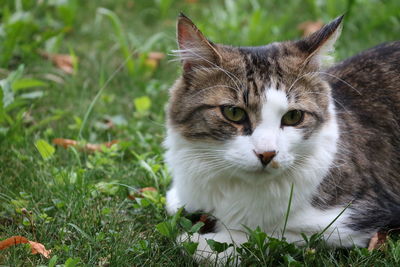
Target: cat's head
x,y
254,109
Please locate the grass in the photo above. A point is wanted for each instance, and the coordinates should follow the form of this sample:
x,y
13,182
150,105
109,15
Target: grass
x,y
78,200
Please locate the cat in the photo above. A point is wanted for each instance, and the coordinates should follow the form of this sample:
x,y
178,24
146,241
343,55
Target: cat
x,y
247,124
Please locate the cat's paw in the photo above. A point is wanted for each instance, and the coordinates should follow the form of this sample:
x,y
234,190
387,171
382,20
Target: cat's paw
x,y
204,254
173,202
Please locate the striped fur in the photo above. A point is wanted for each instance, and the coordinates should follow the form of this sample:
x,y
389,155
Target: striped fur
x,y
343,152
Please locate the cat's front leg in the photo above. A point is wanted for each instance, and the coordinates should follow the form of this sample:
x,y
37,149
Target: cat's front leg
x,y
205,254
173,201
339,233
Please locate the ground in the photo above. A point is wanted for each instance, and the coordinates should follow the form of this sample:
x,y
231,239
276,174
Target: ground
x,y
86,207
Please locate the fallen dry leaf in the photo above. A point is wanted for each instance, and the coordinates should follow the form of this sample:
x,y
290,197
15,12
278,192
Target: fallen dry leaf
x,y
98,147
156,55
309,27
35,246
64,142
62,61
87,147
130,4
154,58
377,240
140,191
144,189
14,240
39,248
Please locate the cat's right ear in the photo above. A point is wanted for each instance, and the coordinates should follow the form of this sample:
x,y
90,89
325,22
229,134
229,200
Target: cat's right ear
x,y
194,48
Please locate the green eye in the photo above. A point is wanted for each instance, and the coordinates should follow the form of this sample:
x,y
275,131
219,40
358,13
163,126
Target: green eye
x,y
292,118
234,114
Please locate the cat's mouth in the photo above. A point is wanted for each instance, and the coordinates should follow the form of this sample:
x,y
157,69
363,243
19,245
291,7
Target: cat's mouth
x,y
271,169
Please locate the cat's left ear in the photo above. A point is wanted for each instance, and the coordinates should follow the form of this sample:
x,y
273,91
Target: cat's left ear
x,y
320,44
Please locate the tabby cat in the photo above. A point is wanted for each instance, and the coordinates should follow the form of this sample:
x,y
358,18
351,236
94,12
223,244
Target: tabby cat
x,y
245,124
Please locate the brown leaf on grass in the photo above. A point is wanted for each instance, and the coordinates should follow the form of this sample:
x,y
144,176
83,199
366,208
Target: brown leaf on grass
x,y
377,241
153,59
62,61
156,55
130,4
309,27
140,191
87,147
64,142
14,240
99,147
35,246
144,189
39,248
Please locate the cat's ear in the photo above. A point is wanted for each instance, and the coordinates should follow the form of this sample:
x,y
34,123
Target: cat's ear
x,y
318,46
194,48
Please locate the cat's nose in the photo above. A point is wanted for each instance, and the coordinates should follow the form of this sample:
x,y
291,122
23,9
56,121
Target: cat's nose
x,y
266,157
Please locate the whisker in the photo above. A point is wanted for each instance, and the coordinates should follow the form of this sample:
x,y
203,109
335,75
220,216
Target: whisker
x,y
340,79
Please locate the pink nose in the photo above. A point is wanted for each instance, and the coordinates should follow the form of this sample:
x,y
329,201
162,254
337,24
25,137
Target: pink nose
x,y
266,157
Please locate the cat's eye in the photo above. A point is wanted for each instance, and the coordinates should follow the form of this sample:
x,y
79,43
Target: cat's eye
x,y
292,118
234,114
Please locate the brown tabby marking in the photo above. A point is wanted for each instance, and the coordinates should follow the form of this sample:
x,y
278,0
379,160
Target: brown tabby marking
x,y
366,94
241,80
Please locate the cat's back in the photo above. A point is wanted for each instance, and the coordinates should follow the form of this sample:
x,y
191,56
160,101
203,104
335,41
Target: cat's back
x,y
366,92
369,78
